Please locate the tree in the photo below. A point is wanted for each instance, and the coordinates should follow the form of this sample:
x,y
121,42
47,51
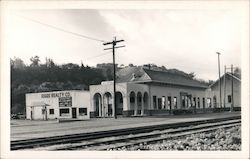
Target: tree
x,y
34,61
70,66
49,62
17,63
191,75
237,72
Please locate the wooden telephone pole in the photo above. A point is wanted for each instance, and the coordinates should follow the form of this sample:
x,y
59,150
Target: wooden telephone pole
x,y
219,77
113,43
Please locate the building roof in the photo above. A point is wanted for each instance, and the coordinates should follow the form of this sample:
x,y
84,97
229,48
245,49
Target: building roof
x,y
143,75
221,78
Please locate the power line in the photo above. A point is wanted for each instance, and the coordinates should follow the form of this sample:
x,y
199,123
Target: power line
x,y
99,55
60,29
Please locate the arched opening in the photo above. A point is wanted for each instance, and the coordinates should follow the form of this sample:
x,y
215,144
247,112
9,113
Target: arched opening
x,y
119,103
145,100
98,104
107,107
139,102
132,100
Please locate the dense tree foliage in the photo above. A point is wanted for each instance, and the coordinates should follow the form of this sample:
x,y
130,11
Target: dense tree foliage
x,y
49,77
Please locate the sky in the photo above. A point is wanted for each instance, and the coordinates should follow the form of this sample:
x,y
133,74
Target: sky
x,y
185,39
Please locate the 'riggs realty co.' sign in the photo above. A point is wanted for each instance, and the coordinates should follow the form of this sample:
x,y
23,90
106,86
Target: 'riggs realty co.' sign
x,y
64,98
56,95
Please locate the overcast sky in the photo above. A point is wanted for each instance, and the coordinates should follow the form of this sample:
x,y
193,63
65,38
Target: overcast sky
x,y
184,39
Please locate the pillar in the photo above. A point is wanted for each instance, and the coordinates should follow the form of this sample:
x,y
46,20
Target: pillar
x,y
103,107
100,106
135,106
142,107
126,103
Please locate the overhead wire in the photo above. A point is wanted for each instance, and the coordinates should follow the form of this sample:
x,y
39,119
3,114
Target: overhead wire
x,y
69,32
60,29
99,55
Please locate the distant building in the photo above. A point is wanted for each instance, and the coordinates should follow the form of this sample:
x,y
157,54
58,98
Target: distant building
x,y
227,99
71,104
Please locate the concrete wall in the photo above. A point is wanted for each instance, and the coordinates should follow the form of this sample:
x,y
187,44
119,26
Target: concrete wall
x,y
214,91
35,103
174,91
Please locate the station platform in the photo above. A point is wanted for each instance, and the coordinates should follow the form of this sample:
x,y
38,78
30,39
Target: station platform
x,y
27,129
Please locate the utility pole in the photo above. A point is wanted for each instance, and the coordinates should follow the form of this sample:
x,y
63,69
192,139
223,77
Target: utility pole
x,y
219,75
232,100
113,43
224,94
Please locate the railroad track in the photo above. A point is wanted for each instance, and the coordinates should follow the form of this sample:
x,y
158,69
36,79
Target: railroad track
x,y
113,139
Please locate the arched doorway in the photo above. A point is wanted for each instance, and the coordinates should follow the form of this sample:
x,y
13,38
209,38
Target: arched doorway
x,y
107,107
139,102
119,103
145,102
98,104
132,101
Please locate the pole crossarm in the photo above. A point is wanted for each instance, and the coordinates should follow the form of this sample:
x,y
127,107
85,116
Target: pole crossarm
x,y
115,47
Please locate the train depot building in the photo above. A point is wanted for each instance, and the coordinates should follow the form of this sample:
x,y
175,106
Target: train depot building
x,y
73,104
139,92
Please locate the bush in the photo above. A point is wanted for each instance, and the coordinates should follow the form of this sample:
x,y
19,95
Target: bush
x,y
182,111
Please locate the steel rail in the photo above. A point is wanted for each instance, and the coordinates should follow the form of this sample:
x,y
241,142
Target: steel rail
x,y
93,145
39,142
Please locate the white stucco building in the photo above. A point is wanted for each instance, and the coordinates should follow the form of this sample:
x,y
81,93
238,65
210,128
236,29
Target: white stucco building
x,y
72,104
141,91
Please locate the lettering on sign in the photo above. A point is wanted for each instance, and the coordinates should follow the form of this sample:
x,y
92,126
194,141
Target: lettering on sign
x,y
65,101
56,95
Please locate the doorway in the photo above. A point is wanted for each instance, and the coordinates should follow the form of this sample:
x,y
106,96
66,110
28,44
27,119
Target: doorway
x,y
74,113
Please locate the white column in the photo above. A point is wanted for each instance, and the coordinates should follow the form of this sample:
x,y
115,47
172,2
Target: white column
x,y
103,107
142,107
125,102
99,105
135,106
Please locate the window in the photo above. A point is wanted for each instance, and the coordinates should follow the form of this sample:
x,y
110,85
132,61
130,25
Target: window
x,y
209,102
163,100
183,101
203,102
154,102
51,111
159,103
194,102
169,102
198,102
229,98
82,111
175,102
64,112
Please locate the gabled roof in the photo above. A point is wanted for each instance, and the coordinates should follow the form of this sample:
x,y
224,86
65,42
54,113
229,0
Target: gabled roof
x,y
132,74
173,78
143,75
221,78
